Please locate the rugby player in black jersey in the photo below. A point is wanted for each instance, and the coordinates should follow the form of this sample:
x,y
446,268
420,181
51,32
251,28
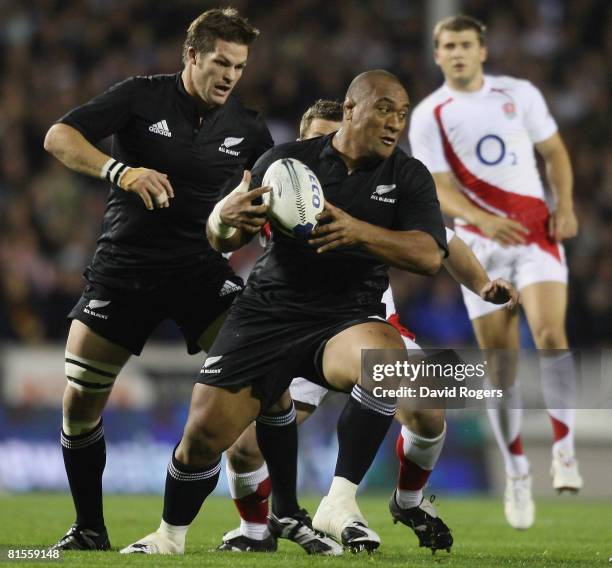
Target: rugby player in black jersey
x,y
177,141
419,443
308,310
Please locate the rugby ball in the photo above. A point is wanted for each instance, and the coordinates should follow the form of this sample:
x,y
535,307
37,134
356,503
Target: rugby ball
x,y
296,197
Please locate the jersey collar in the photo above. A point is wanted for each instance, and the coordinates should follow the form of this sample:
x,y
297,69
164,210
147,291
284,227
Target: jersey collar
x,y
330,153
189,100
483,91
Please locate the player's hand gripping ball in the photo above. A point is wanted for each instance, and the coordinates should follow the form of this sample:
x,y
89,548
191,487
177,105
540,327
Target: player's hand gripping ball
x,y
296,197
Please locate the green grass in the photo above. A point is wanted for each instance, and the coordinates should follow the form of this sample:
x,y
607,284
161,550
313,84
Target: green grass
x,y
568,533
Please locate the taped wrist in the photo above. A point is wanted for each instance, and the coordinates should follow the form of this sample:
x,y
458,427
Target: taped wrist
x,y
113,170
216,225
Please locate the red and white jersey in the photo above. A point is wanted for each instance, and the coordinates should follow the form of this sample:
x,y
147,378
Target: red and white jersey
x,y
486,139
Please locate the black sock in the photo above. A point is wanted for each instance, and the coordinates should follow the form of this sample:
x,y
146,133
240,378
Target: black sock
x,y
278,442
186,490
361,429
84,459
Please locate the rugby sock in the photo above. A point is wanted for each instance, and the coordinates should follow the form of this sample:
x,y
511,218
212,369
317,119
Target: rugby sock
x,y
361,429
278,442
250,492
558,376
84,459
505,416
417,456
186,490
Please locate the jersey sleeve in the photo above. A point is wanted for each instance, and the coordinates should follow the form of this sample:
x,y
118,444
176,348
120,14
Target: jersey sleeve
x,y
426,142
105,114
418,206
539,122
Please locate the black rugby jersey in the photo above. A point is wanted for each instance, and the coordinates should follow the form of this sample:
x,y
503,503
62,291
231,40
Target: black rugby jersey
x,y
155,124
397,193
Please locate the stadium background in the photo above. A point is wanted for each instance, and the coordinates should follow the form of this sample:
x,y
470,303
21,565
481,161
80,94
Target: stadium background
x,y
56,54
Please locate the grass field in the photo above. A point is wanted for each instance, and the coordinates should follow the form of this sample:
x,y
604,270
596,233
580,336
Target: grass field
x,y
567,533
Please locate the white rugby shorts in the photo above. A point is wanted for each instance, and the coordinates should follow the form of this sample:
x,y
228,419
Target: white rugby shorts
x,y
521,265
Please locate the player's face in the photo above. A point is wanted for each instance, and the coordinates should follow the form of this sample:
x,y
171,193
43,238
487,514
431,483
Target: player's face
x,y
460,56
216,73
377,121
320,127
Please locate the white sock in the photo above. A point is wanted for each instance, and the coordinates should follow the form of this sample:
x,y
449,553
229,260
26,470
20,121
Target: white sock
x,y
256,531
506,416
558,376
243,485
418,457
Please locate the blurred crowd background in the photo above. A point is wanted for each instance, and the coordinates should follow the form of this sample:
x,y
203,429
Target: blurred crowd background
x,y
56,54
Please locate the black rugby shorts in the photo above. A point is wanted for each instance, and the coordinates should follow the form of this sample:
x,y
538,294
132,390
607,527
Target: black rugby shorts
x,y
258,348
193,299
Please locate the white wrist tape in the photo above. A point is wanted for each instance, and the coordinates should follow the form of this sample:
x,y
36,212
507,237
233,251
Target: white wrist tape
x,y
113,171
218,227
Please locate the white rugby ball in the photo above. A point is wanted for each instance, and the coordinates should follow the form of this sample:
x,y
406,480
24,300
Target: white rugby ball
x,y
296,197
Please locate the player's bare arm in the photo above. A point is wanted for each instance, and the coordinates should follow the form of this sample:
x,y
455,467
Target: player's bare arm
x,y
235,219
465,268
454,204
415,251
563,223
71,148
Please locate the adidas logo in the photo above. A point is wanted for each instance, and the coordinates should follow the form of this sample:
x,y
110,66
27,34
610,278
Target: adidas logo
x,y
229,288
228,143
161,127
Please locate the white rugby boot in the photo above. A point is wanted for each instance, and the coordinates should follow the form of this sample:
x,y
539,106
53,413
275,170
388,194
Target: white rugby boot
x,y
518,502
565,474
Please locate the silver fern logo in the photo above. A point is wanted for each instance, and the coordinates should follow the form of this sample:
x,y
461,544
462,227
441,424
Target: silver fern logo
x,y
93,305
209,363
97,304
377,194
228,143
382,189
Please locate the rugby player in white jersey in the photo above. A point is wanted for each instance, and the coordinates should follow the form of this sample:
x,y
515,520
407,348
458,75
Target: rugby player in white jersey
x,y
477,134
419,442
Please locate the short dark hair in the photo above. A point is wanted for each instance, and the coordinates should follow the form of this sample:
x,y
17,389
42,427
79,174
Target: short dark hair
x,y
323,109
460,23
225,24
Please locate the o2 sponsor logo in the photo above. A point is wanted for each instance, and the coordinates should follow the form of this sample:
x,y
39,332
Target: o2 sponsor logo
x,y
491,151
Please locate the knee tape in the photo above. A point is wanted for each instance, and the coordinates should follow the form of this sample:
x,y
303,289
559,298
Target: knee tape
x,y
90,376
